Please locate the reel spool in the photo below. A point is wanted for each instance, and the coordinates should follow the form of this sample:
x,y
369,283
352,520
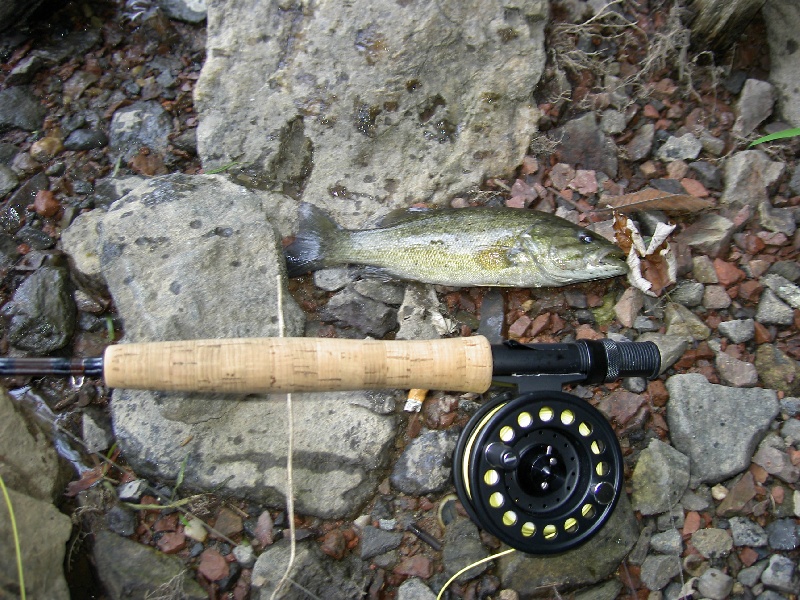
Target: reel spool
x,y
541,471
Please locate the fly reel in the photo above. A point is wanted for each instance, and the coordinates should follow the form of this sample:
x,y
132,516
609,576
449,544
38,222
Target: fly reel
x,y
542,471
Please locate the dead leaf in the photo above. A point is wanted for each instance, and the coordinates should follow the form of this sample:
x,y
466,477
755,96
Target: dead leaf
x,y
652,199
651,266
89,478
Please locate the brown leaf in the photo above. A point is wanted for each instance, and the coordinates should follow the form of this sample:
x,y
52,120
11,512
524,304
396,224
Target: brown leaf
x,y
622,234
88,478
656,271
652,199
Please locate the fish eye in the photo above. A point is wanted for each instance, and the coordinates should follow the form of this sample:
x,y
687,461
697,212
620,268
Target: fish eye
x,y
585,237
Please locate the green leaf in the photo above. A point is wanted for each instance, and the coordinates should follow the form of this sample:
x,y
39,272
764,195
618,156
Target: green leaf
x,y
222,168
778,135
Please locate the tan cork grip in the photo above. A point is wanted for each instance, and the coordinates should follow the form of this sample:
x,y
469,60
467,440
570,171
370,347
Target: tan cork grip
x,y
252,365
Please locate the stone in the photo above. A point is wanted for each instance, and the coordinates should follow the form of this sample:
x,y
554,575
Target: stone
x,y
667,542
121,521
747,533
754,106
312,569
735,372
583,143
783,534
8,179
141,124
129,569
777,463
738,331
681,322
710,234
629,306
714,584
707,174
748,174
42,312
777,370
612,122
658,570
712,542
780,574
20,110
333,279
419,316
715,297
778,220
717,427
782,18
660,478
608,590
703,269
783,288
414,588
245,555
688,293
375,95
642,143
190,11
365,315
685,147
620,405
86,139
425,465
585,565
462,547
375,541
43,533
790,430
211,266
739,495
671,347
386,292
751,575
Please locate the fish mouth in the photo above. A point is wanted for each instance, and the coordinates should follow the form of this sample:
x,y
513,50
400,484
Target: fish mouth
x,y
610,261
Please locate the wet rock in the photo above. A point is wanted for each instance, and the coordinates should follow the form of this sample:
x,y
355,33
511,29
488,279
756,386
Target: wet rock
x,y
783,534
782,19
425,465
129,569
754,106
685,147
780,574
121,520
585,565
200,243
777,370
738,331
332,280
85,139
658,570
710,234
12,215
584,144
387,292
141,124
97,434
357,105
8,180
712,542
36,520
42,312
747,533
414,589
681,322
462,547
717,427
110,189
375,541
190,11
368,316
659,479
715,584
19,109
314,571
748,174
30,464
35,238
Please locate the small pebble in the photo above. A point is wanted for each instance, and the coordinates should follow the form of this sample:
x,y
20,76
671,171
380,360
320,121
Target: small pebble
x,y
245,556
196,530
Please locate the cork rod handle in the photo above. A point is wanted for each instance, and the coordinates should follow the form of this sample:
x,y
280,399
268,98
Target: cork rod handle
x,y
261,365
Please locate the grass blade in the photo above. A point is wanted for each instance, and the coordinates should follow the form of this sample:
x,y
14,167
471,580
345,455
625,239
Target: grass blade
x,y
778,135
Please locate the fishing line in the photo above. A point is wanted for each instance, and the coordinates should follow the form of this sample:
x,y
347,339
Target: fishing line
x,y
289,452
468,567
15,535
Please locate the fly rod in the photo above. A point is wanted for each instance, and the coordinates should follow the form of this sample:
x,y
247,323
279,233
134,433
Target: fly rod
x,y
272,365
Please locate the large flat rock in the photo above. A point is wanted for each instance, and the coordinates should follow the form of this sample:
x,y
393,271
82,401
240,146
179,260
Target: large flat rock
x,y
366,106
196,257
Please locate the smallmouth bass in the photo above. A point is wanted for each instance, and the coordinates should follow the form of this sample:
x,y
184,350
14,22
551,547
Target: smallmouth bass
x,y
465,247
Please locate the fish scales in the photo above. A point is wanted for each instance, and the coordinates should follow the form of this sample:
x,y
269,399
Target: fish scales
x,y
467,247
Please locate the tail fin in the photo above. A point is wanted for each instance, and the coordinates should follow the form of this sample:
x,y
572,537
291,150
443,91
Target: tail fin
x,y
313,244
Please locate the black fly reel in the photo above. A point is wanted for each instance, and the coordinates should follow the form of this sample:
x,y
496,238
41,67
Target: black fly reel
x,y
543,470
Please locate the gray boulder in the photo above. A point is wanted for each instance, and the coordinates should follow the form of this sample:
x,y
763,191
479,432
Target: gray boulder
x,y
366,106
717,427
782,18
660,478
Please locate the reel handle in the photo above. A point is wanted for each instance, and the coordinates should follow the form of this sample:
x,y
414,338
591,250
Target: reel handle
x,y
261,365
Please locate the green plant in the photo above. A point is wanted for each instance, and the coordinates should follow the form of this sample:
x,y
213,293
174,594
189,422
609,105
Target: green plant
x,y
778,135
